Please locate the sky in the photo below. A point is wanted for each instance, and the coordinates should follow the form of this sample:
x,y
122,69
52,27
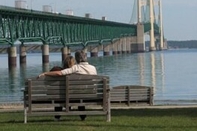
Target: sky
x,y
179,16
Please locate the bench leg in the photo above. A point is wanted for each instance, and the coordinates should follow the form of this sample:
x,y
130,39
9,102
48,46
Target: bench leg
x,y
108,109
25,115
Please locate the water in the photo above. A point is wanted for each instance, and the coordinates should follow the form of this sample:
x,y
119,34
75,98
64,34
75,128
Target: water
x,y
172,73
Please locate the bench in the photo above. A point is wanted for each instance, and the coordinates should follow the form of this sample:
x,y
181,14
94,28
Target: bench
x,y
130,95
41,95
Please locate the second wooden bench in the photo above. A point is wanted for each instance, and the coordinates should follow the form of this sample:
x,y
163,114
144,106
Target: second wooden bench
x,y
131,95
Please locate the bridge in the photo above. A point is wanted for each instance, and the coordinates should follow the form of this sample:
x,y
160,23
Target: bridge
x,y
21,26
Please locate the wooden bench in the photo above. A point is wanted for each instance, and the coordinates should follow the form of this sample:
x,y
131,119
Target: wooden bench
x,y
43,94
131,95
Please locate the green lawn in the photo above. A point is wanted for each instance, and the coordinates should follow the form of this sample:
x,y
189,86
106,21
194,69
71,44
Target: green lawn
x,y
184,119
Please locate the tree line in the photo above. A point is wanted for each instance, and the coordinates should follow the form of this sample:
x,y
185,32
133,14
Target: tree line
x,y
182,44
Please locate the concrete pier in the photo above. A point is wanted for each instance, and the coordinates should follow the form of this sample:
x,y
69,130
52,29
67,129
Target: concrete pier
x,y
85,50
128,45
94,51
94,54
106,49
45,67
115,47
124,47
22,54
45,54
119,46
138,44
12,55
65,51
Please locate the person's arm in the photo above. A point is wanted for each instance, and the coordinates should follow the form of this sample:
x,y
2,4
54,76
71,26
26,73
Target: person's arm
x,y
60,73
51,73
73,69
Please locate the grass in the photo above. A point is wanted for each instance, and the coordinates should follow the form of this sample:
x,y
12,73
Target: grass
x,y
184,119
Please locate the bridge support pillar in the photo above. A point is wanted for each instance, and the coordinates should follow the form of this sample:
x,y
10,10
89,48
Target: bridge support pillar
x,y
128,45
106,49
45,67
115,47
138,44
12,55
65,52
152,48
119,45
85,51
22,54
93,51
45,54
124,43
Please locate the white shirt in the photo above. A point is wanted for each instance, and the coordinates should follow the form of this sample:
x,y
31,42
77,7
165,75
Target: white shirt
x,y
81,68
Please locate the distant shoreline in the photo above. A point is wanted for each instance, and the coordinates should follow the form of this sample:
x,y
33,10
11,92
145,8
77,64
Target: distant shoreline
x,y
180,44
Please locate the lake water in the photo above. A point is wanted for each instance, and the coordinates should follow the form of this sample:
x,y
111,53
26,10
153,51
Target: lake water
x,y
172,73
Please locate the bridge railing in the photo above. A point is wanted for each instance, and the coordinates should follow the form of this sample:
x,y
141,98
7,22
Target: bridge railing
x,y
23,24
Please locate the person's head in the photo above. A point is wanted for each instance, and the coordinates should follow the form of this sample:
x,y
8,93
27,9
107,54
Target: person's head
x,y
68,62
56,68
80,56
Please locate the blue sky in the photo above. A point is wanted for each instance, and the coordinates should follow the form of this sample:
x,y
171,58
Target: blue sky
x,y
179,16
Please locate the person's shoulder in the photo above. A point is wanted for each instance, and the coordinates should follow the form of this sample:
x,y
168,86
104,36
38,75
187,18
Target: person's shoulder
x,y
90,65
93,66
74,66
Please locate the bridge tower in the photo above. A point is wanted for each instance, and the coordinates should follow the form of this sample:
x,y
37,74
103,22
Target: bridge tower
x,y
144,15
161,26
160,37
152,37
140,27
138,42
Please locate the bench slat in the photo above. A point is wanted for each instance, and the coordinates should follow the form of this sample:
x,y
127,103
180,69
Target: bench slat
x,y
52,113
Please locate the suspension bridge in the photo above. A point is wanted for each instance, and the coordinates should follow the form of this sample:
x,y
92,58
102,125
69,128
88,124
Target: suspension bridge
x,y
20,27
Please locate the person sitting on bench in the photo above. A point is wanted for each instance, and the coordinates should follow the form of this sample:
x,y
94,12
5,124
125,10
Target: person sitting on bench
x,y
82,67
